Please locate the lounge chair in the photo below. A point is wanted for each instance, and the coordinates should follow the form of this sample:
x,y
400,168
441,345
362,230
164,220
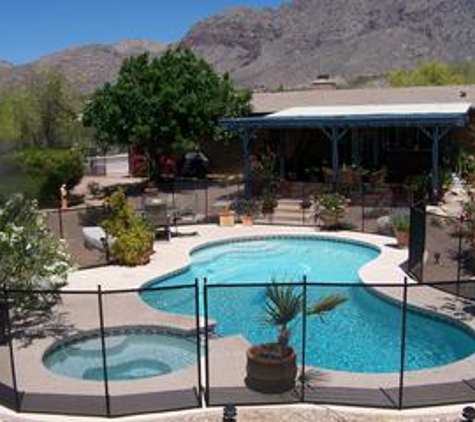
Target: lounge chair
x,y
96,238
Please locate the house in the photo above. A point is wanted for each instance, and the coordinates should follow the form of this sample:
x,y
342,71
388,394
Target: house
x,y
408,131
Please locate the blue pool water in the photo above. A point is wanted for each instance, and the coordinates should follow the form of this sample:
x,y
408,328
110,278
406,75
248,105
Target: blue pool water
x,y
129,356
363,335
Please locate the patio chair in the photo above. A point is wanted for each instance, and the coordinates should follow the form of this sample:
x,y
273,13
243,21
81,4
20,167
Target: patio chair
x,y
346,176
96,238
378,177
156,212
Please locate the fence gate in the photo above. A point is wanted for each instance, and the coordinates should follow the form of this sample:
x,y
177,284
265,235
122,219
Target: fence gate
x,y
417,240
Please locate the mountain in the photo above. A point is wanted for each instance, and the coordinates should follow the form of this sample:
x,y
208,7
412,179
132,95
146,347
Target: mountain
x,y
5,68
86,67
293,44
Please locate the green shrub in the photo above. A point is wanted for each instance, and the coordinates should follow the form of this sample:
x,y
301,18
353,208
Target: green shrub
x,y
401,222
53,168
333,202
133,236
133,247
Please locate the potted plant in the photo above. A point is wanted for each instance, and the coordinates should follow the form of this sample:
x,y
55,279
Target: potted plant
x,y
227,217
401,225
331,208
272,367
246,208
269,202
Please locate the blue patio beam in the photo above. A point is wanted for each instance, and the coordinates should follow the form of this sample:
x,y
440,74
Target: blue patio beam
x,y
414,120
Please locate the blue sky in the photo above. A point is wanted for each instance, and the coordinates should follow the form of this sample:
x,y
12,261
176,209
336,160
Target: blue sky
x,y
33,28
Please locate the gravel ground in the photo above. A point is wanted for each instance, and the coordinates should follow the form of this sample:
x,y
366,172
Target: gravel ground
x,y
303,413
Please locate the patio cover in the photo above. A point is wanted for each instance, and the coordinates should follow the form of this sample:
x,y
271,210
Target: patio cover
x,y
434,119
436,114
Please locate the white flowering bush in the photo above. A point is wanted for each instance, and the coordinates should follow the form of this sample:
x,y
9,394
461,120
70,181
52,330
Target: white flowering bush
x,y
33,263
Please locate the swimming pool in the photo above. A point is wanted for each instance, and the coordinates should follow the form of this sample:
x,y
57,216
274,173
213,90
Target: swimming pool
x,y
132,353
363,335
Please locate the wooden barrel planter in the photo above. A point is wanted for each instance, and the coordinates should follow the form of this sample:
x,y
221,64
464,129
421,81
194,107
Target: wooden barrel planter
x,y
269,374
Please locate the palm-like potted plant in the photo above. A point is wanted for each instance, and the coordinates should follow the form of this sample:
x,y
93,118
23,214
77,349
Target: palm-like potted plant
x,y
272,367
401,224
331,208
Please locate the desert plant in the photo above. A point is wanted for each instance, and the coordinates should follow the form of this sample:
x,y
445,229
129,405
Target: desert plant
x,y
133,236
283,305
272,368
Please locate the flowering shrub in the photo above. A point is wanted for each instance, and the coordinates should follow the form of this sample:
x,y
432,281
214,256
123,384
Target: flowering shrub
x,y
31,258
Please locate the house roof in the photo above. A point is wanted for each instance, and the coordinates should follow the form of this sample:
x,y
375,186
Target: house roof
x,y
273,102
428,114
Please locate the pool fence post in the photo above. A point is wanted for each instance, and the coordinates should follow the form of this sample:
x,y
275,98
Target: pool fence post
x,y
60,221
198,338
6,317
363,228
459,255
205,304
104,353
304,338
206,200
403,345
173,194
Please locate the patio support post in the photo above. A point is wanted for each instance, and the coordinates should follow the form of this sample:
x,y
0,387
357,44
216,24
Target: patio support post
x,y
334,135
281,155
435,161
436,134
335,157
245,136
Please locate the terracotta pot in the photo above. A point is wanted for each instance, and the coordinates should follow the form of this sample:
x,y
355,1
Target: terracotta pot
x,y
329,219
246,220
402,239
270,375
227,219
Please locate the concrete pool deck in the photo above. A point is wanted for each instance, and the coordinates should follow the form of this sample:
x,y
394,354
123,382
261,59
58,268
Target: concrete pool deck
x,y
78,314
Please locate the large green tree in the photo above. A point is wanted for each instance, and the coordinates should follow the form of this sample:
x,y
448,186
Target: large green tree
x,y
167,104
42,112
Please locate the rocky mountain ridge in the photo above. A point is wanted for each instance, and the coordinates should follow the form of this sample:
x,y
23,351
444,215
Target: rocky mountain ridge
x,y
293,44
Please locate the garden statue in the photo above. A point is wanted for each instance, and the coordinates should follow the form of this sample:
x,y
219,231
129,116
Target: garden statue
x,y
63,193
